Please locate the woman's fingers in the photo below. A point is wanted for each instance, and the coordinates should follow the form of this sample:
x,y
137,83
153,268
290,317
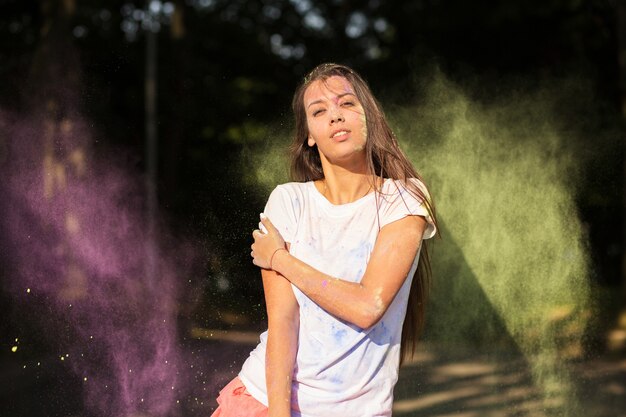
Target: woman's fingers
x,y
257,251
273,232
261,226
265,221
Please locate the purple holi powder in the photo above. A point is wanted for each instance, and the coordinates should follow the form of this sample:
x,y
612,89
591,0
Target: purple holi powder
x,y
80,244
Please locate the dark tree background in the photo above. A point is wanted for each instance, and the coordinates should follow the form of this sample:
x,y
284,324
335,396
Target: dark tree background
x,y
226,70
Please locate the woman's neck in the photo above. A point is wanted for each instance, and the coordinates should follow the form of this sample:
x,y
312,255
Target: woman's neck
x,y
341,186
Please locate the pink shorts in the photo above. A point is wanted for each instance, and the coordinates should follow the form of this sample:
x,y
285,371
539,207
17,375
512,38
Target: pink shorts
x,y
235,401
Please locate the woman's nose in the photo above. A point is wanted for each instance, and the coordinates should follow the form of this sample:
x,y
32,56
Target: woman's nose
x,y
337,117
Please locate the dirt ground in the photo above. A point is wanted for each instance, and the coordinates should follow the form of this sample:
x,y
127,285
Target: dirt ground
x,y
473,384
435,384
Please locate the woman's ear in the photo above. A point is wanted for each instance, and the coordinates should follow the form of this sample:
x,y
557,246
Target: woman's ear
x,y
311,141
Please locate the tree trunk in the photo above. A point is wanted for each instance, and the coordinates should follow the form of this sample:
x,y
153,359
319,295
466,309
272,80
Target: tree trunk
x,y
177,83
621,36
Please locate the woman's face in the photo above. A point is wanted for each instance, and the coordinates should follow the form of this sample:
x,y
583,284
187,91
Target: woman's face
x,y
335,119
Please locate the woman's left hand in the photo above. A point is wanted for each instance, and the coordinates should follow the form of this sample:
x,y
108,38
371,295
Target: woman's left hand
x,y
266,244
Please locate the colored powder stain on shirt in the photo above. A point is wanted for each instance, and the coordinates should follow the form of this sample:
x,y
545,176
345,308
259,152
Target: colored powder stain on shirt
x,y
335,379
381,335
362,251
383,328
339,335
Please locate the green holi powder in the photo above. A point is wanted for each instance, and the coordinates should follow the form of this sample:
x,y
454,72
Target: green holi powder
x,y
267,165
512,268
363,131
511,272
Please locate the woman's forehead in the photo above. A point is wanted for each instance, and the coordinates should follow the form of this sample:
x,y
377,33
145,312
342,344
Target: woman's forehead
x,y
328,89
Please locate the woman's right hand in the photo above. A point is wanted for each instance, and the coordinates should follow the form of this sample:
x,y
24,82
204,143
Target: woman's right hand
x,y
266,245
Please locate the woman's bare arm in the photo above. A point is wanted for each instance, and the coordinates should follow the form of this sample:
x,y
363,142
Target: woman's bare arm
x,y
282,341
364,303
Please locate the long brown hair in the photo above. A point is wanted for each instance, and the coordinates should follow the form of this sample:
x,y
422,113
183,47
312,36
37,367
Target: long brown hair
x,y
385,159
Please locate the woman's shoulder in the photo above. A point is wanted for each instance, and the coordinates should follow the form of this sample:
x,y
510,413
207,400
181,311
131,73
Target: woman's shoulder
x,y
294,187
292,190
399,186
401,198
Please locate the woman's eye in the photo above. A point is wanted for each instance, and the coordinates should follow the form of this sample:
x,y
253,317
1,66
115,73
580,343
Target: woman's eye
x,y
347,104
317,112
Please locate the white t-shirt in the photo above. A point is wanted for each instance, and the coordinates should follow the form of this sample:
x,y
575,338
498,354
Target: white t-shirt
x,y
341,369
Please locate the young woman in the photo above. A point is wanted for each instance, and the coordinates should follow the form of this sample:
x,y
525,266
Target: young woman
x,y
340,257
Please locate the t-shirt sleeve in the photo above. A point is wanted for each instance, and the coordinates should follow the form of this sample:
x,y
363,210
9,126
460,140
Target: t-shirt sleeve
x,y
397,202
282,210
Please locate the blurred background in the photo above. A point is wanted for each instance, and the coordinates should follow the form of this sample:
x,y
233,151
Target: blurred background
x,y
139,140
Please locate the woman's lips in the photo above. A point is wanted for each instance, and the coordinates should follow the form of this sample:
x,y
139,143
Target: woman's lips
x,y
340,135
